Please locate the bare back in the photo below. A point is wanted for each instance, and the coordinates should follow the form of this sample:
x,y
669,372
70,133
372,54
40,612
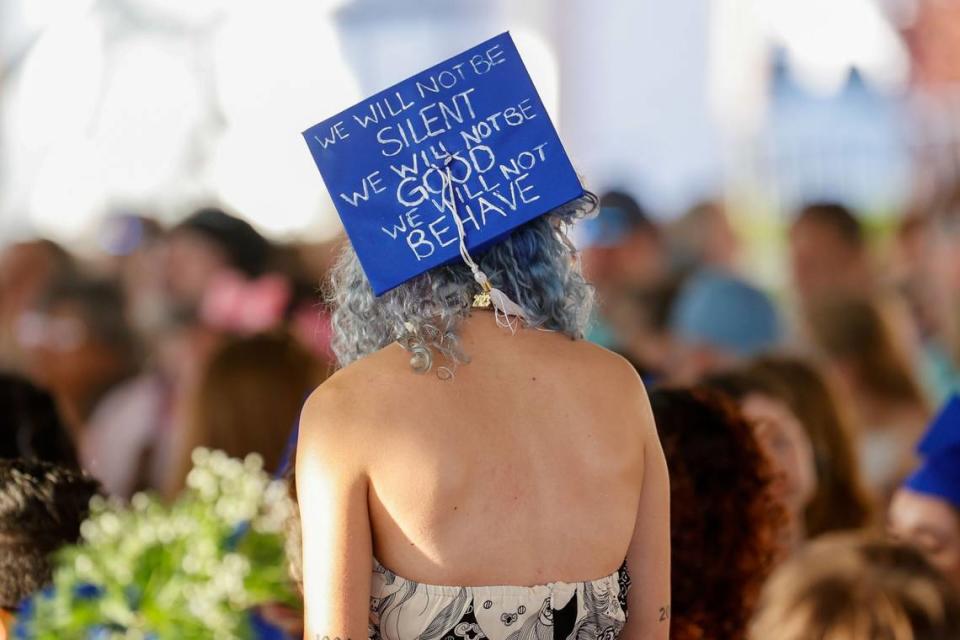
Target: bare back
x,y
525,468
528,467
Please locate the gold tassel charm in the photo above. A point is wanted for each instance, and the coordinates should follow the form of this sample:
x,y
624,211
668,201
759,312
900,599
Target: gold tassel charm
x,y
508,313
482,299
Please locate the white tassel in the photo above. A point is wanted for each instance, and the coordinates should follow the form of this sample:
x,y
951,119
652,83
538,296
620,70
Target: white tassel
x,y
507,312
508,308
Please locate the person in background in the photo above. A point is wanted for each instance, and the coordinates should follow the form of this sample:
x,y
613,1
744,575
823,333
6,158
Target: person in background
x,y
41,508
841,500
133,251
30,424
828,253
783,440
308,321
622,253
703,238
240,319
650,344
886,399
850,587
78,345
207,243
717,322
724,518
925,511
621,246
942,268
909,273
247,399
26,270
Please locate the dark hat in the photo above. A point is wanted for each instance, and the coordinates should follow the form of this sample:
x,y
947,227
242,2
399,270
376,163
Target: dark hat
x,y
247,250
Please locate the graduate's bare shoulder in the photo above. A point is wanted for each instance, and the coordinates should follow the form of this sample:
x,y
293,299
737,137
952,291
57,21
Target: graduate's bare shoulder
x,y
596,360
378,368
613,381
347,402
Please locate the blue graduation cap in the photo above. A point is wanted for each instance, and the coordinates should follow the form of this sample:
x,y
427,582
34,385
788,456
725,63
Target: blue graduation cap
x,y
939,476
944,430
443,163
939,473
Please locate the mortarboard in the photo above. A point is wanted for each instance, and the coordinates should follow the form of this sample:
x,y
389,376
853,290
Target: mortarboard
x,y
939,473
944,430
446,162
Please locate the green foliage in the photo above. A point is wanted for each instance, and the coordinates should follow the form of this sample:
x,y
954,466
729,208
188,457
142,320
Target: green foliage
x,y
190,570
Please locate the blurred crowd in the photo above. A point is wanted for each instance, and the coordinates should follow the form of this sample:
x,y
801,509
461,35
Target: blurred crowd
x,y
786,415
205,333
819,409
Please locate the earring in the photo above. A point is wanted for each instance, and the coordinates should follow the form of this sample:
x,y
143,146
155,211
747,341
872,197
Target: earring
x,y
421,359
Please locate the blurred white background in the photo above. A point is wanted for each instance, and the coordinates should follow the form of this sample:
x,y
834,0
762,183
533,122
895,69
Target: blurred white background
x,y
160,105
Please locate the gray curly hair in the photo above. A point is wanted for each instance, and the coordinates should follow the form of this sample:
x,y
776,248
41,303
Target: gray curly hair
x,y
536,266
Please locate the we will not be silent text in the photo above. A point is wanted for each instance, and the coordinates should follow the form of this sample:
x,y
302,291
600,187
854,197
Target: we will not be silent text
x,y
413,175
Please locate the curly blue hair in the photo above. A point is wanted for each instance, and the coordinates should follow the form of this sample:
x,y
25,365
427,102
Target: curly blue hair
x,y
536,266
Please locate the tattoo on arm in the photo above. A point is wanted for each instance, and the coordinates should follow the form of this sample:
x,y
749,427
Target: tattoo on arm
x,y
664,614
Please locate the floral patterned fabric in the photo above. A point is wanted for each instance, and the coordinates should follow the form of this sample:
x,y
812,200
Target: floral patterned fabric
x,y
401,609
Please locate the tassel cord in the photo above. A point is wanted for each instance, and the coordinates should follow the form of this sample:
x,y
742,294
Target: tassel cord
x,y
505,308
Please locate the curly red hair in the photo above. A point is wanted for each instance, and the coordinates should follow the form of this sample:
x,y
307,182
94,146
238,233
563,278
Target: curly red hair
x,y
725,523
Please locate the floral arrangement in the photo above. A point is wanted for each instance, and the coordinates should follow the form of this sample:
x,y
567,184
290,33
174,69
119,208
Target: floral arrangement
x,y
195,569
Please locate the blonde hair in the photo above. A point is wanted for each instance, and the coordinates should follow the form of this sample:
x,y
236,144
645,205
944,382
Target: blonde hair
x,y
852,587
247,400
857,330
841,501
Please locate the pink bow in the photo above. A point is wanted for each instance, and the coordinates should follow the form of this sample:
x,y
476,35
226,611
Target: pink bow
x,y
238,305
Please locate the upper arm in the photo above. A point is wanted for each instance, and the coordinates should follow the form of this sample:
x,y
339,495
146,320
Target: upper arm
x,y
648,558
337,547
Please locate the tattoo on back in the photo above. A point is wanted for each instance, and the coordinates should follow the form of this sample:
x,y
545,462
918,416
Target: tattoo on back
x,y
664,613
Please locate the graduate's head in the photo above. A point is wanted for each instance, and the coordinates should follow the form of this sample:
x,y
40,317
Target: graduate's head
x,y
925,511
536,266
450,184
